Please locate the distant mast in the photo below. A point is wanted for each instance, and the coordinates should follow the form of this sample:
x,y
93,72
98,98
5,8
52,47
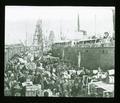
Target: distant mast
x,y
95,24
113,13
78,23
26,38
60,31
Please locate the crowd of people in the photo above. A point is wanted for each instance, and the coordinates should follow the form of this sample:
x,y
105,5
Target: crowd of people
x,y
61,78
103,41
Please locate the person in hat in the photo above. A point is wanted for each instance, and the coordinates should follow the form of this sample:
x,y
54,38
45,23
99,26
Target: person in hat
x,y
7,91
45,83
99,74
46,94
75,90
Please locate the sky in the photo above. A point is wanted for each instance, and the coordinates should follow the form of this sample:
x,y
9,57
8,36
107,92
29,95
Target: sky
x,y
21,20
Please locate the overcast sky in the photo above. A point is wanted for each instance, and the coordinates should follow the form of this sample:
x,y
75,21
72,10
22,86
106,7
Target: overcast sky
x,y
22,19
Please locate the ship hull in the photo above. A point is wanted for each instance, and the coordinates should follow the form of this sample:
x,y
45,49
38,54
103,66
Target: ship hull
x,y
91,58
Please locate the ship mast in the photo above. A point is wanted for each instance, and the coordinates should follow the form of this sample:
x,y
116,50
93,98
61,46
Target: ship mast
x,y
95,23
60,31
78,23
113,13
26,38
62,36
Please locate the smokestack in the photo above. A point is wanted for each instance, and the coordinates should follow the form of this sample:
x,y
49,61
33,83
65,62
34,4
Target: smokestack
x,y
78,24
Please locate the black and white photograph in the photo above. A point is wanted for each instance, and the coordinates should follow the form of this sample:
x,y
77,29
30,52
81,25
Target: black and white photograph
x,y
59,51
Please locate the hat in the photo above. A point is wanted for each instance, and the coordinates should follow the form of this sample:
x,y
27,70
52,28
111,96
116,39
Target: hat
x,y
9,71
12,75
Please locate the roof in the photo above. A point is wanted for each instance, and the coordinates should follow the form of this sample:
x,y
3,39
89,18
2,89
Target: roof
x,y
61,41
13,45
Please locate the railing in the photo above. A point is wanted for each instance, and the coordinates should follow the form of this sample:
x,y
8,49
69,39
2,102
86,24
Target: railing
x,y
96,45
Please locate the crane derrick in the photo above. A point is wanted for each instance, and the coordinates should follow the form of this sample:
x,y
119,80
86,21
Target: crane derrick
x,y
38,39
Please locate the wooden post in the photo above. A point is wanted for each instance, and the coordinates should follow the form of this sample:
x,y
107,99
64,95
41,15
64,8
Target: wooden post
x,y
79,59
63,54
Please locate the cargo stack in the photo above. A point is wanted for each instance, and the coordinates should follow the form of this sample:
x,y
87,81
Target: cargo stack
x,y
34,90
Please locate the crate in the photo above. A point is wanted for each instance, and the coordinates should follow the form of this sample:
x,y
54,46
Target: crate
x,y
33,90
30,92
7,92
107,94
17,92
